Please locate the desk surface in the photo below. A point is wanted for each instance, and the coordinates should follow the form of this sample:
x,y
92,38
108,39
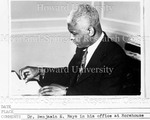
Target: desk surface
x,y
21,88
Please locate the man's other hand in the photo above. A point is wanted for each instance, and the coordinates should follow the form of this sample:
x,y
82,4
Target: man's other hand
x,y
53,90
29,73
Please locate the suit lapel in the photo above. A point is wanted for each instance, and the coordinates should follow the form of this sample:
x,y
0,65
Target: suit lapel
x,y
95,60
74,65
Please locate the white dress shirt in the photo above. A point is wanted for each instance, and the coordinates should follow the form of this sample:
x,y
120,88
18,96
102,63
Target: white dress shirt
x,y
92,48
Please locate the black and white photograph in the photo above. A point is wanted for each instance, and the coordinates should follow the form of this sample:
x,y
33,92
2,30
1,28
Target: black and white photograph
x,y
74,59
61,48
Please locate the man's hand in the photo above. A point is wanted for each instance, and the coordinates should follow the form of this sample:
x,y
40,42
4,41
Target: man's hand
x,y
29,73
53,90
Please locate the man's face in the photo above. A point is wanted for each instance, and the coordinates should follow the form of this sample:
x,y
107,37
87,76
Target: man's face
x,y
80,34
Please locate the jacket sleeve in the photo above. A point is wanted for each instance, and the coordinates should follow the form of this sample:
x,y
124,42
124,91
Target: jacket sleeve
x,y
55,75
60,75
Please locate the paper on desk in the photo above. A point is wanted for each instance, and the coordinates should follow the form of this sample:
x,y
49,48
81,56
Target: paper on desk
x,y
20,87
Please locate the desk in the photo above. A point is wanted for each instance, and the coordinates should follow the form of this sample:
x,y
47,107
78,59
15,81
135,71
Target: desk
x,y
21,88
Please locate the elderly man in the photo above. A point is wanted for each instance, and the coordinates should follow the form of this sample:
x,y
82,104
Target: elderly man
x,y
97,68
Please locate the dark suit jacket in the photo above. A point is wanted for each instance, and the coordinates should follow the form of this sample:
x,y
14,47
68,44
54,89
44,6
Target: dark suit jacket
x,y
95,80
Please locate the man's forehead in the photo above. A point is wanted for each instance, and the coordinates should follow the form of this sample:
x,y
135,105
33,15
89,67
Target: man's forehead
x,y
81,23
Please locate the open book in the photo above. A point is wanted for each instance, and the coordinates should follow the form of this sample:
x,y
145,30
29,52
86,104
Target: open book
x,y
20,87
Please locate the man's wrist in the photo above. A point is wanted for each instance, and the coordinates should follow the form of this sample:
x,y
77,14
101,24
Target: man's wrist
x,y
65,91
41,72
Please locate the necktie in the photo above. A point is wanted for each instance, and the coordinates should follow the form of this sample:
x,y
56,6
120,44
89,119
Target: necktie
x,y
82,65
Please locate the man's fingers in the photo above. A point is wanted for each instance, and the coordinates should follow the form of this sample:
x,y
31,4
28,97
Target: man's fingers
x,y
21,72
25,73
50,93
46,90
47,94
47,87
53,90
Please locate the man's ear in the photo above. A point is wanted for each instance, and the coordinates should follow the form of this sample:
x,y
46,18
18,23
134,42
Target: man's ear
x,y
91,31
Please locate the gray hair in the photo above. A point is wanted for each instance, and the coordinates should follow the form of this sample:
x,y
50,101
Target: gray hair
x,y
84,10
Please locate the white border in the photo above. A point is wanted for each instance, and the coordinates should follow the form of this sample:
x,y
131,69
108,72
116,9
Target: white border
x,y
143,81
143,93
10,59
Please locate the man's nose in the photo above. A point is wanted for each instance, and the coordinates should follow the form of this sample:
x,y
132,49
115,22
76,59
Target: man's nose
x,y
72,37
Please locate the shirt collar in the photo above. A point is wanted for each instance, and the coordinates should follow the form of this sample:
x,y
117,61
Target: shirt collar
x,y
95,45
91,49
